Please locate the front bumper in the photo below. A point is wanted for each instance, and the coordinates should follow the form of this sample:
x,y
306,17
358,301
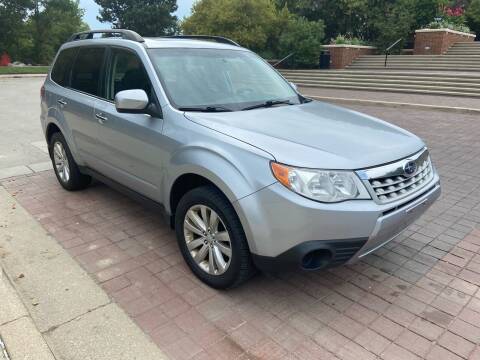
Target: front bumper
x,y
283,229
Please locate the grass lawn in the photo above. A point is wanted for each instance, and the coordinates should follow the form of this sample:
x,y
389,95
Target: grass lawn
x,y
23,70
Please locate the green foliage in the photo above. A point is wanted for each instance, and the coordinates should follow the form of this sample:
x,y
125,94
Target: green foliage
x,y
446,24
472,16
259,25
33,30
347,40
52,26
4,70
250,22
147,17
304,38
13,13
396,22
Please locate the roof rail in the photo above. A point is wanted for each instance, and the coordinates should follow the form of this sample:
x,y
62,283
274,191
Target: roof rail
x,y
122,33
219,39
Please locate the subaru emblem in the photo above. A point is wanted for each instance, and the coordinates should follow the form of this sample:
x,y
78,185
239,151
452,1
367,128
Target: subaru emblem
x,y
410,168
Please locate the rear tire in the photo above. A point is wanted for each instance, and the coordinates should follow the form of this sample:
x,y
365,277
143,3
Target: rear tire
x,y
65,167
208,231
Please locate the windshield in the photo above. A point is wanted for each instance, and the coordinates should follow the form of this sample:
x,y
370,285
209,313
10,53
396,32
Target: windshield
x,y
219,79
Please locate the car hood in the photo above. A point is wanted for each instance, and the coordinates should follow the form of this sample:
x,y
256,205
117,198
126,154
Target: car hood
x,y
315,135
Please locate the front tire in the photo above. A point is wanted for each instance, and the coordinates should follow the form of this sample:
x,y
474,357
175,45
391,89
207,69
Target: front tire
x,y
211,238
65,167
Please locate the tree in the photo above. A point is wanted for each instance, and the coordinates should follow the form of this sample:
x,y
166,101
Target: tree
x,y
147,17
33,30
347,17
304,38
249,22
473,16
13,14
52,23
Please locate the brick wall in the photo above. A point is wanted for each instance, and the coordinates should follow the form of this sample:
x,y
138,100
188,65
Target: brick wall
x,y
437,42
343,55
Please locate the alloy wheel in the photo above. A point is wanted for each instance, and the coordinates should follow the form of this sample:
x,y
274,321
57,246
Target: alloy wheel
x,y
61,162
207,239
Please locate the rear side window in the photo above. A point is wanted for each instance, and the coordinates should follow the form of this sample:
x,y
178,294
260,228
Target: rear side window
x,y
86,72
63,65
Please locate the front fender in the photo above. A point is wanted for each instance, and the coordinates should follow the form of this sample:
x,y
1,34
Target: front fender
x,y
237,174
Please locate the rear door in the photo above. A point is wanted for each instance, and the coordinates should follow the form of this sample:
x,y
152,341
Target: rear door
x,y
57,91
131,144
78,103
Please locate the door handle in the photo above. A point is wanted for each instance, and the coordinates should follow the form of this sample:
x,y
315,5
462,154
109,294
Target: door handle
x,y
101,118
62,102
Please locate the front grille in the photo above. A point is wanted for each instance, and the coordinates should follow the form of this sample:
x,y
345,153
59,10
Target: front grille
x,y
390,183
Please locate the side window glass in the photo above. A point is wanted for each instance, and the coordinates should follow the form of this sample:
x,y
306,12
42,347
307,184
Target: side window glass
x,y
63,65
86,72
127,73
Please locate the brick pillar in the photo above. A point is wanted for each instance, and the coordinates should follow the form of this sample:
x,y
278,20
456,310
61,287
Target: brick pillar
x,y
343,55
437,41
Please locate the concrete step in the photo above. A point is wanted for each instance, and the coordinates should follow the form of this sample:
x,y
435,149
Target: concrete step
x,y
462,52
460,82
473,86
424,57
467,44
384,72
416,62
381,84
392,89
430,67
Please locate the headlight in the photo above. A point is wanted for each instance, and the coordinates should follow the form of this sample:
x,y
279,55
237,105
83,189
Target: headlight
x,y
320,185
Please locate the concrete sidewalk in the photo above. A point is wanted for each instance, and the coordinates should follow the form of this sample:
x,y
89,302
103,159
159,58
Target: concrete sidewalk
x,y
20,338
60,312
446,103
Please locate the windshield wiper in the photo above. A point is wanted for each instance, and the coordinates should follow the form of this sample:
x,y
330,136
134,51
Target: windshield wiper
x,y
205,109
268,104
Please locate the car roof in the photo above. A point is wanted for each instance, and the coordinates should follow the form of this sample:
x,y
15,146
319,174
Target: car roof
x,y
121,37
155,43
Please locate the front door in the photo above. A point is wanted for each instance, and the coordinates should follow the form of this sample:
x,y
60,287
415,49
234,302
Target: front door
x,y
131,144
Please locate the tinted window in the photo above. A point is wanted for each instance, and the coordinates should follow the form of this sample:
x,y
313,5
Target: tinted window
x,y
127,73
86,72
62,67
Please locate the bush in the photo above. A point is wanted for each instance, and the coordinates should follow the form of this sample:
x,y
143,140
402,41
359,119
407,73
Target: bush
x,y
304,38
347,40
472,16
249,22
445,24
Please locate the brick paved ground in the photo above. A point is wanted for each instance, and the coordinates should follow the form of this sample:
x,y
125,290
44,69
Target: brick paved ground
x,y
416,298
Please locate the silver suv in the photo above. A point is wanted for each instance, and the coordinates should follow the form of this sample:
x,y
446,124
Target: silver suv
x,y
250,173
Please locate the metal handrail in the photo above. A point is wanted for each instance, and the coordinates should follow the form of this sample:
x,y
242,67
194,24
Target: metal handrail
x,y
285,58
387,52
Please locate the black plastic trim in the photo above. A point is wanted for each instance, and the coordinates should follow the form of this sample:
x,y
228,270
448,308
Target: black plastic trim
x,y
341,251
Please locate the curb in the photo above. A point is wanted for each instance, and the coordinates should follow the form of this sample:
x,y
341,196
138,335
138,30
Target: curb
x,y
454,109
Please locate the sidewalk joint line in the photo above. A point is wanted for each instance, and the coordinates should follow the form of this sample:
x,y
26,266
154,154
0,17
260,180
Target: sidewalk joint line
x,y
54,327
4,349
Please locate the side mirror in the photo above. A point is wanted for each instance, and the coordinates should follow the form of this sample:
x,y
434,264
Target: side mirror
x,y
131,101
294,86
136,102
